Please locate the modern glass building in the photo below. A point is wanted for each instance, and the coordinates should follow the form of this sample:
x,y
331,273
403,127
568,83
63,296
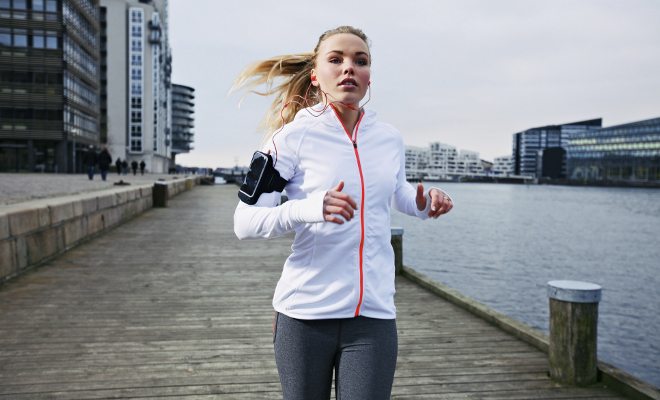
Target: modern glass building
x,y
529,147
183,108
621,153
49,83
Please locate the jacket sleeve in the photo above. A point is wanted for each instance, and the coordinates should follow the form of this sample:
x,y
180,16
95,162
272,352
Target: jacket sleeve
x,y
268,218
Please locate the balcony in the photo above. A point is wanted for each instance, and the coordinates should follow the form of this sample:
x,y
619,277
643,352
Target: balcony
x,y
155,37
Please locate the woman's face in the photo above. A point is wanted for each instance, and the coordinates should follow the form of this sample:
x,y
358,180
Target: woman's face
x,y
343,68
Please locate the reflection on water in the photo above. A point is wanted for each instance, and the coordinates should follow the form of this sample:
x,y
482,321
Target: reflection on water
x,y
501,244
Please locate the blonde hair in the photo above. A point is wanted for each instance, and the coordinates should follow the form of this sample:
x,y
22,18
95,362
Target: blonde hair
x,y
293,94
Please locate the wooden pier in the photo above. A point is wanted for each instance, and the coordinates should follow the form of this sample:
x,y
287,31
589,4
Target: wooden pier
x,y
172,305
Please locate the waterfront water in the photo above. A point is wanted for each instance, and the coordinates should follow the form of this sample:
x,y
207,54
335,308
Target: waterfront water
x,y
501,244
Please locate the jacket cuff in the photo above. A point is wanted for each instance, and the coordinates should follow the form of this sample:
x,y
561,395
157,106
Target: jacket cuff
x,y
424,214
310,210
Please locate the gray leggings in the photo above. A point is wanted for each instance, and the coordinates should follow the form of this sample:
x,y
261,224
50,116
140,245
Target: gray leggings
x,y
362,351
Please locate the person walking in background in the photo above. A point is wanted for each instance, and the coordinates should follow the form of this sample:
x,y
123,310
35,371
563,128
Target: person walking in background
x,y
118,166
134,167
142,167
89,161
124,167
105,159
343,170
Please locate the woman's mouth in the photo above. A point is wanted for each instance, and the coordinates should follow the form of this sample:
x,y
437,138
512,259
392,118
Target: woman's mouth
x,y
348,82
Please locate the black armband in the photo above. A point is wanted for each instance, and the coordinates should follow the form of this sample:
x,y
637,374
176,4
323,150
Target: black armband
x,y
261,178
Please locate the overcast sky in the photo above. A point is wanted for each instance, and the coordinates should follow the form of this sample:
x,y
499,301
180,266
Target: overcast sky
x,y
465,73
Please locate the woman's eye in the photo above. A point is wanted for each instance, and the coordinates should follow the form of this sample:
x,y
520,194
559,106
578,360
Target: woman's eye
x,y
362,62
335,61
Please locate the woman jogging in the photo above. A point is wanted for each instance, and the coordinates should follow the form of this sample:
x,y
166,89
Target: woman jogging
x,y
342,170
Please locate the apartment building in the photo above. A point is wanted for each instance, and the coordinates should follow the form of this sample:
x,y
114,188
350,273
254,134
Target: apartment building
x,y
136,80
183,121
442,162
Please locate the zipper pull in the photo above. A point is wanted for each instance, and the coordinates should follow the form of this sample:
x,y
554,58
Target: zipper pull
x,y
355,145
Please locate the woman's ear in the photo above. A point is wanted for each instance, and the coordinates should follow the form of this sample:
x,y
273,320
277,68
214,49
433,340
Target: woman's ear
x,y
312,76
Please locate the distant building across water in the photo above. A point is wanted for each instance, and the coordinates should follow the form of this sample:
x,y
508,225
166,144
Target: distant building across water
x,y
583,151
503,166
540,152
588,152
441,161
628,152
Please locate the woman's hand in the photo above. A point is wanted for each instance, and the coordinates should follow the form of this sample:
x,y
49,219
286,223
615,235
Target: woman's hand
x,y
440,202
336,203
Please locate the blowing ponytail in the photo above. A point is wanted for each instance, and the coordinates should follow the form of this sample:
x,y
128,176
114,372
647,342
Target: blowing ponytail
x,y
293,92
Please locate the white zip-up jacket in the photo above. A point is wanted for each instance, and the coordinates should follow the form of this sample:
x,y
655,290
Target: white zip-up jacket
x,y
335,270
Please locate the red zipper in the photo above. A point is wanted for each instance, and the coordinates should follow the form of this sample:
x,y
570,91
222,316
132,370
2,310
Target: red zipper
x,y
353,139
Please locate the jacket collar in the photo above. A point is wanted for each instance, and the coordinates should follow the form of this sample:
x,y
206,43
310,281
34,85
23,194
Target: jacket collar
x,y
325,114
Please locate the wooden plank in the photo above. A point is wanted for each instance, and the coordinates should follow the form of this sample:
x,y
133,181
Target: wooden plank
x,y
171,305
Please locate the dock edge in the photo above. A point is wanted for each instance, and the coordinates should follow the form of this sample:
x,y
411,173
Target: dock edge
x,y
608,375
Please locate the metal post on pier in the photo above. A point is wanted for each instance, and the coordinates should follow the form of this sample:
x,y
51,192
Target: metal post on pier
x,y
160,194
573,332
397,245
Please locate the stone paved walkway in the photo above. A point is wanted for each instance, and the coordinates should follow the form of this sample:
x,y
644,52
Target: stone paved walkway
x,y
15,188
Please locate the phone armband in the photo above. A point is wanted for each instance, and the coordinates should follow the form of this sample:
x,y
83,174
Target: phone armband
x,y
261,178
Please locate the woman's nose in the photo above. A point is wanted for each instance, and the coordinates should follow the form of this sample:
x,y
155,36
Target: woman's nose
x,y
348,68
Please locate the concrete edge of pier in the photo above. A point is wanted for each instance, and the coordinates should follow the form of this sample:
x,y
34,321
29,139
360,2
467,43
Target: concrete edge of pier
x,y
608,375
35,231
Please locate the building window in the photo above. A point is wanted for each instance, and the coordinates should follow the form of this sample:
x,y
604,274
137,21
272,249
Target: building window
x,y
51,6
38,39
20,38
136,145
135,30
15,37
79,123
136,88
5,37
75,55
5,5
78,91
51,40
